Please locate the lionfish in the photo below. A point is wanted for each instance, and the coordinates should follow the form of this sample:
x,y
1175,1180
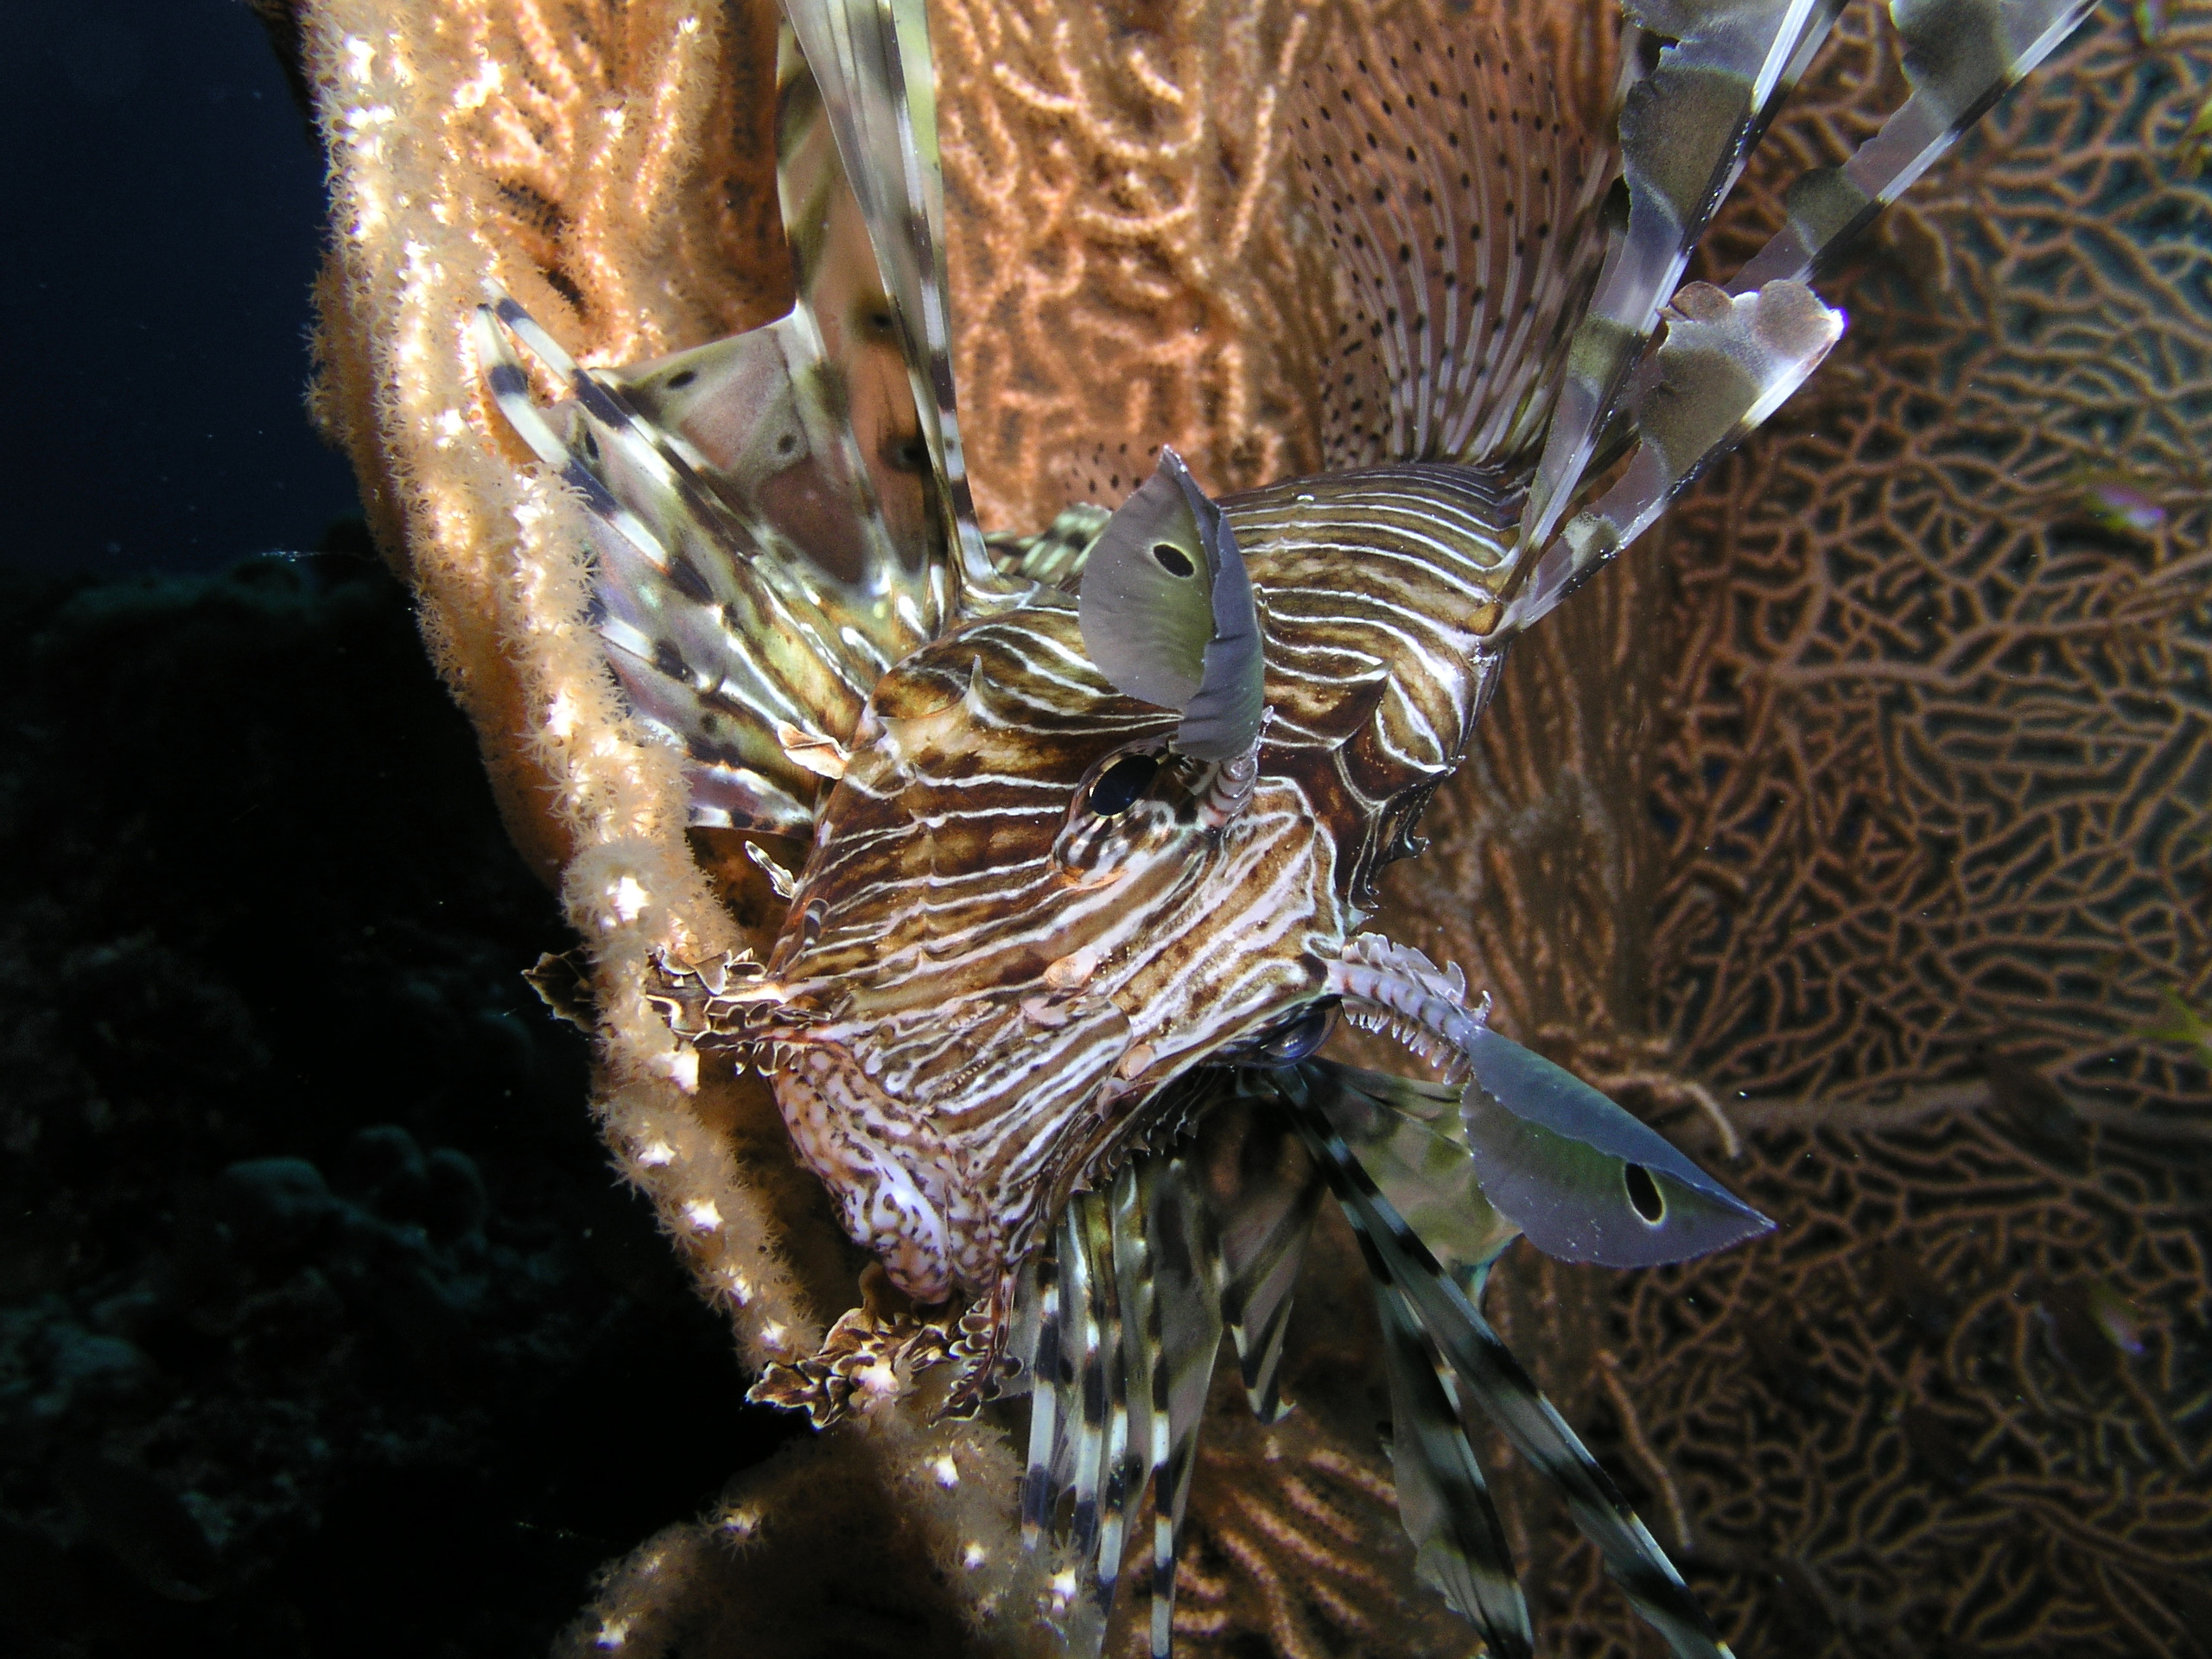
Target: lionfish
x,y
1094,815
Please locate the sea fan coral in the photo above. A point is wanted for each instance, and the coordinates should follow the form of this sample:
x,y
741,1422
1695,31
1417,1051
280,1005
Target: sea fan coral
x,y
1878,797
1645,860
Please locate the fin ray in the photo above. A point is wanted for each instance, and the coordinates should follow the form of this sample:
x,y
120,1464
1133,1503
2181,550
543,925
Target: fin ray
x,y
1463,210
1958,60
1494,1379
1443,1501
871,60
1686,131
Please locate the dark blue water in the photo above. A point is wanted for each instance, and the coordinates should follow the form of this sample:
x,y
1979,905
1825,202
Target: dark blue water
x,y
162,206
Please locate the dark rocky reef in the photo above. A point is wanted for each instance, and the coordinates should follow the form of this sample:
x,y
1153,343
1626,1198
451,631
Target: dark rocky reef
x,y
325,1327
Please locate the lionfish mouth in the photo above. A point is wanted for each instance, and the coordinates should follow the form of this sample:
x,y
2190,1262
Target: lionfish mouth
x,y
729,1004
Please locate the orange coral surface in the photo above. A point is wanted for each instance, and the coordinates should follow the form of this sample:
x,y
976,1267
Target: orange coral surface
x,y
1879,793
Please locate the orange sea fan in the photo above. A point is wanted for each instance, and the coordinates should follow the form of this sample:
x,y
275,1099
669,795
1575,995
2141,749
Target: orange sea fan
x,y
1877,783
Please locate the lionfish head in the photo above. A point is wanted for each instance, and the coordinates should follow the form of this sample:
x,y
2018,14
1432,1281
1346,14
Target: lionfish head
x,y
1048,884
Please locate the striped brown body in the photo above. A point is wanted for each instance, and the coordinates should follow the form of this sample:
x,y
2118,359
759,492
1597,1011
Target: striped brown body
x,y
988,985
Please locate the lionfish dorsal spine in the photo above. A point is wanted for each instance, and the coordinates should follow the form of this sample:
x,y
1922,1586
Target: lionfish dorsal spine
x,y
871,60
1686,130
763,557
1958,61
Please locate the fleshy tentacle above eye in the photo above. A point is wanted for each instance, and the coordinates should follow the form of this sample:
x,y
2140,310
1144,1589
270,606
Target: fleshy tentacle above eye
x,y
1168,615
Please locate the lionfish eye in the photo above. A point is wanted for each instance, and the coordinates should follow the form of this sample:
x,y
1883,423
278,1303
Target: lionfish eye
x,y
1643,1192
1173,559
1119,785
1299,1036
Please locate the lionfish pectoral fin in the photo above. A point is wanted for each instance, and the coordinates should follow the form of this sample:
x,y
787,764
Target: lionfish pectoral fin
x,y
1168,616
1120,1326
1040,1352
1188,1275
1528,1146
1267,1191
1467,259
1725,364
1958,60
1486,1375
1444,1502
1089,1365
871,61
1410,1138
1686,130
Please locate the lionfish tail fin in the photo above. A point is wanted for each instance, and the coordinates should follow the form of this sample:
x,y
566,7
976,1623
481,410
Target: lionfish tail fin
x,y
1462,202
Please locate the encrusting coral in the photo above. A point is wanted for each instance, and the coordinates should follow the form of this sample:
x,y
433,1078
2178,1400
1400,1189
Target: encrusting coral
x,y
1877,785
594,161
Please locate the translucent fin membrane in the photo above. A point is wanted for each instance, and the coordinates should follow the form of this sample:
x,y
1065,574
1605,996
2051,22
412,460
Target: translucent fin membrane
x,y
1725,366
1960,56
718,635
1686,130
1490,1379
1123,1315
767,548
871,60
1052,558
1444,1502
1130,1300
1462,207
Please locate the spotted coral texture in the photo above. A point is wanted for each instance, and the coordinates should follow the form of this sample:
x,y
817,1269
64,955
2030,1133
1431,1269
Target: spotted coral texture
x,y
609,165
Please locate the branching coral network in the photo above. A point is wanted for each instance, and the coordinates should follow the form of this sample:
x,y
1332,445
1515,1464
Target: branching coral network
x,y
1879,795
1872,806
